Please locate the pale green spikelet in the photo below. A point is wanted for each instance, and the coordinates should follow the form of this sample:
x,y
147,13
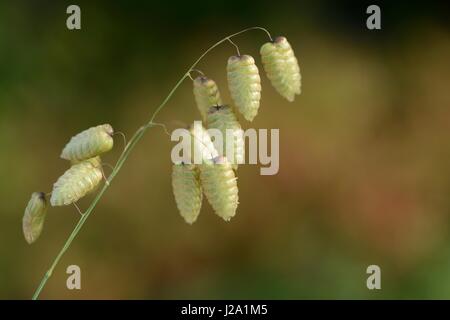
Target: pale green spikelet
x,y
220,187
224,119
282,67
202,148
89,143
79,180
206,94
187,191
244,84
34,217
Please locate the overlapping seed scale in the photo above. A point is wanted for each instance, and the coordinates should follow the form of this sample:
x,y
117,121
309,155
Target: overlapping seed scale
x,y
220,187
202,148
95,161
223,118
76,182
34,217
282,67
244,84
206,94
187,191
89,143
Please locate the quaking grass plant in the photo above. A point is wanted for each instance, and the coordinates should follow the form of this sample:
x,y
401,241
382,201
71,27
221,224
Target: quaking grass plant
x,y
215,176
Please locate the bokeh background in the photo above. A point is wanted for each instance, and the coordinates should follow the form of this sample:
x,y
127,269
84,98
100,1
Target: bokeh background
x,y
364,151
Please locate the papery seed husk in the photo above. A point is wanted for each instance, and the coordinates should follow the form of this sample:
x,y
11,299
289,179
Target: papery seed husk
x,y
220,187
89,143
206,94
34,217
244,84
187,191
224,119
95,161
281,67
79,180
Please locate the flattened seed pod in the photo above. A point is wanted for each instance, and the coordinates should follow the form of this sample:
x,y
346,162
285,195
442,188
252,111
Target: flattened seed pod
x,y
34,217
244,84
206,94
281,67
187,191
81,179
224,119
89,143
202,147
220,187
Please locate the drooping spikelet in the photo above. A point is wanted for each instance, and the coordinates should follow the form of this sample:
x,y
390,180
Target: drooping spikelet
x,y
206,94
224,119
244,84
202,148
187,191
220,187
34,217
281,67
81,179
89,143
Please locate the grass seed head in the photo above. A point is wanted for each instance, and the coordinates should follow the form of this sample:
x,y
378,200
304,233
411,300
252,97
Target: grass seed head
x,y
79,180
220,187
244,84
187,191
224,119
89,143
281,67
34,217
206,94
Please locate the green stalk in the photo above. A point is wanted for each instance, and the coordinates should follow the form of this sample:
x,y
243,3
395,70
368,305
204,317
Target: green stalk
x,y
123,157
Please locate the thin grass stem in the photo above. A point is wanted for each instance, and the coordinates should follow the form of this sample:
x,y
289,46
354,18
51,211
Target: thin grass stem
x,y
124,156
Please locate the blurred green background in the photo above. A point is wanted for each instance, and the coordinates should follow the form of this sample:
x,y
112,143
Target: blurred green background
x,y
364,151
